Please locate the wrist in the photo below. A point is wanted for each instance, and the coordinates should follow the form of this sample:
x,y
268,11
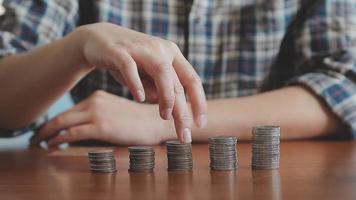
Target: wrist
x,y
77,40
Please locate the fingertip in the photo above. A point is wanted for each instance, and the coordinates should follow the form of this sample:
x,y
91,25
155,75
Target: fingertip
x,y
166,114
187,135
140,95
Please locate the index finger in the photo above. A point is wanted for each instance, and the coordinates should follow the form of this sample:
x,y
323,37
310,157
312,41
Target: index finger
x,y
194,87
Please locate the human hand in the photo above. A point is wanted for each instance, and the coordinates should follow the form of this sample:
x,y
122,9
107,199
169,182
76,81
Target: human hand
x,y
150,67
108,118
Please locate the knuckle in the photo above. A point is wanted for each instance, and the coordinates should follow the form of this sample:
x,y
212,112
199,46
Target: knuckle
x,y
113,49
97,99
154,42
161,46
72,132
85,30
168,101
173,46
110,49
58,121
98,107
97,114
99,94
125,62
194,79
184,119
178,89
125,44
162,67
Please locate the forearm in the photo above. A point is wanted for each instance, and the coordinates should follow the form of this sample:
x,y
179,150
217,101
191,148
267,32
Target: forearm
x,y
299,113
30,82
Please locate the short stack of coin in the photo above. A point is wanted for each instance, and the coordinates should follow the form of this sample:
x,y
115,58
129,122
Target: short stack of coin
x,y
142,159
223,154
265,147
179,156
102,161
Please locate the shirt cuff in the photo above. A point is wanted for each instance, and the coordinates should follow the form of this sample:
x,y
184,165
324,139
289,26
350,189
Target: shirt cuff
x,y
338,91
33,127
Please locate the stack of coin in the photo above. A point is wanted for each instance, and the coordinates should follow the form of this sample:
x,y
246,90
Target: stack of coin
x,y
102,161
179,156
265,147
223,153
142,159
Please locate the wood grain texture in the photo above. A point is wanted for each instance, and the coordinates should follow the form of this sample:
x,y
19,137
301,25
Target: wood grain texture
x,y
309,170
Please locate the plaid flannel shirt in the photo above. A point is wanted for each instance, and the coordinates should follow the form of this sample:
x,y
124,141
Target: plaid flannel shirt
x,y
238,48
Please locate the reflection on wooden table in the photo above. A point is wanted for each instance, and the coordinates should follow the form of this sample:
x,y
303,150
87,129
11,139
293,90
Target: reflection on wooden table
x,y
309,170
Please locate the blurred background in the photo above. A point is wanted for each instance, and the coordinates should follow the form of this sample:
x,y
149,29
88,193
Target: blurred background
x,y
22,141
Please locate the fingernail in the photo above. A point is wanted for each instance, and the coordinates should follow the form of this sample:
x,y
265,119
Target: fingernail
x,y
140,96
167,113
187,135
201,121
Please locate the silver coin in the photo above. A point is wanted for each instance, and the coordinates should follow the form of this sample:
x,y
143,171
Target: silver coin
x,y
179,156
142,159
104,171
102,160
223,153
265,147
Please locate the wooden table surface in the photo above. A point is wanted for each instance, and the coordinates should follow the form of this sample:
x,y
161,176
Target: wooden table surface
x,y
309,170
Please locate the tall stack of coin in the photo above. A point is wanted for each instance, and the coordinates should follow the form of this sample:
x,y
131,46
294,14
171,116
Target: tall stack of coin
x,y
265,147
102,161
179,156
142,159
223,154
